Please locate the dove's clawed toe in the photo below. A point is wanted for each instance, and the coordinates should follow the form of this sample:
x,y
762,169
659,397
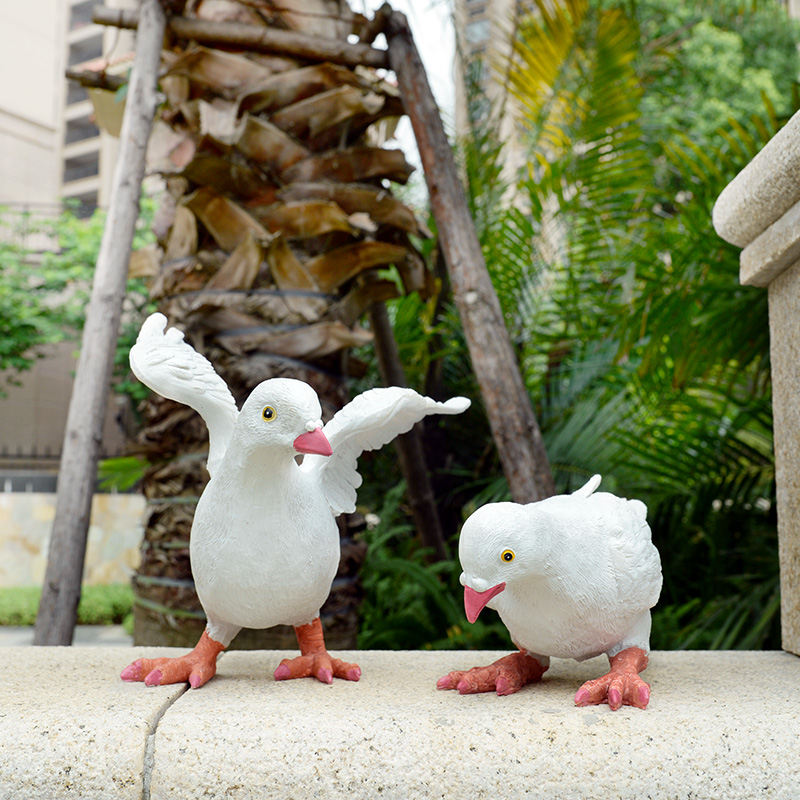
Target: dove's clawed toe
x,y
505,676
315,661
196,667
322,666
621,686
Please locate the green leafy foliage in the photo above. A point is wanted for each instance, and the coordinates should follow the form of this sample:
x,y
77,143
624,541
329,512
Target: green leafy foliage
x,y
648,361
44,294
120,474
713,62
26,321
409,602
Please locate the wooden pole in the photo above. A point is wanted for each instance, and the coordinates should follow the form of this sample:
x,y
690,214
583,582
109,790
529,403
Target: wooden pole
x,y
96,80
408,445
508,407
61,592
259,40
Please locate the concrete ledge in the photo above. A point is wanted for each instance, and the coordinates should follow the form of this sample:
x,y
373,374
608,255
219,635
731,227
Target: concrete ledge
x,y
720,725
67,728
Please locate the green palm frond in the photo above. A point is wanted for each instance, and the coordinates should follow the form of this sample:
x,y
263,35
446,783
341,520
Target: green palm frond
x,y
544,44
648,360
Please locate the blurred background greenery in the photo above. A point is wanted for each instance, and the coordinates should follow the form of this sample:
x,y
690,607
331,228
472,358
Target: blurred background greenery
x,y
647,361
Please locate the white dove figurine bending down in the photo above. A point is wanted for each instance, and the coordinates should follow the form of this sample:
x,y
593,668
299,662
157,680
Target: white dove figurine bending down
x,y
572,576
264,543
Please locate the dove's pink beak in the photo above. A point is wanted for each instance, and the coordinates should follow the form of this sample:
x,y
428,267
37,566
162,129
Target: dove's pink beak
x,y
313,443
474,602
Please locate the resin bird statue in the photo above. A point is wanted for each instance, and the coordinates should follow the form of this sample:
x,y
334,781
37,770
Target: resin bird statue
x,y
264,545
572,576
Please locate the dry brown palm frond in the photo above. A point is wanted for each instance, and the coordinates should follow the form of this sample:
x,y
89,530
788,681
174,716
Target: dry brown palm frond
x,y
355,164
304,218
286,88
314,115
330,270
226,221
241,268
376,201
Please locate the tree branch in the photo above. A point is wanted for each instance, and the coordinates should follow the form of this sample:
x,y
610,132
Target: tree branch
x,y
508,407
55,622
96,80
260,40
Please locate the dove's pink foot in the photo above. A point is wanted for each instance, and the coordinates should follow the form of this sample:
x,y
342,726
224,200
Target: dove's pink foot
x,y
621,686
505,676
315,661
197,667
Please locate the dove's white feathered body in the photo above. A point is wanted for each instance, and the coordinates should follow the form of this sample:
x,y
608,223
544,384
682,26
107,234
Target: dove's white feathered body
x,y
583,576
264,543
271,557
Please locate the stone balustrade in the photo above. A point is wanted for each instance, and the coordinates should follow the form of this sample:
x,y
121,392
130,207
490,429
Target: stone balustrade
x,y
759,211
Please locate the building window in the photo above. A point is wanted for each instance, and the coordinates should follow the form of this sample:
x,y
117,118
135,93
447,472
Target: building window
x,y
86,50
76,93
477,31
82,166
81,15
79,129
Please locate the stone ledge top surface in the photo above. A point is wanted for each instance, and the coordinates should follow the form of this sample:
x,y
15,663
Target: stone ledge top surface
x,y
720,725
763,191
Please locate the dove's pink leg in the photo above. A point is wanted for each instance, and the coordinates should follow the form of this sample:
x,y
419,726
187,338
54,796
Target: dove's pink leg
x,y
621,685
506,676
198,667
315,660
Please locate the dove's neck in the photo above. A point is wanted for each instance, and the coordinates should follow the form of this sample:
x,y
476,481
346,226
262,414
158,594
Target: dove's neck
x,y
261,468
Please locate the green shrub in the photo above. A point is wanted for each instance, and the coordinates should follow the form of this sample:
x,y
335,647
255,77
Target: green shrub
x,y
99,605
18,605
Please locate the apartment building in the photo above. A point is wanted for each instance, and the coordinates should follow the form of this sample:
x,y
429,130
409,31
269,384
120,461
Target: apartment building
x,y
51,150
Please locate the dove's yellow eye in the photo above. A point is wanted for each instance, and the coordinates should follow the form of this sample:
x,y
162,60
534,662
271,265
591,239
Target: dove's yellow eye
x,y
507,556
269,414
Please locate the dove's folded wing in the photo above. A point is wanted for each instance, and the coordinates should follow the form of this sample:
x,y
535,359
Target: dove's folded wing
x,y
163,361
367,423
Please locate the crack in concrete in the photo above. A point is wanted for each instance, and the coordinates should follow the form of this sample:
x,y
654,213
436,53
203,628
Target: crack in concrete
x,y
150,743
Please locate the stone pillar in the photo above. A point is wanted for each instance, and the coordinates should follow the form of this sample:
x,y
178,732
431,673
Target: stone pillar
x,y
760,212
784,326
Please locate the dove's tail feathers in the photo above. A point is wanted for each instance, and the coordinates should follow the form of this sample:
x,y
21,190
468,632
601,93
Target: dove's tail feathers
x,y
589,487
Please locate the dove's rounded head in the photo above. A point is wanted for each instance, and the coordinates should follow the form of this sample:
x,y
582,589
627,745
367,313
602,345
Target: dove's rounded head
x,y
277,412
498,545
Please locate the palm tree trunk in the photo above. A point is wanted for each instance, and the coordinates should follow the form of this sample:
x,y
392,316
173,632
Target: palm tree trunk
x,y
277,215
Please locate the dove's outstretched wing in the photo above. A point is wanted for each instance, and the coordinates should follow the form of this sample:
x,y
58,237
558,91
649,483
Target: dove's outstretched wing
x,y
163,361
367,423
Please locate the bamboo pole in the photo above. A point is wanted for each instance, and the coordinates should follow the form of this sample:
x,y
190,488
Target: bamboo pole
x,y
259,40
61,592
508,407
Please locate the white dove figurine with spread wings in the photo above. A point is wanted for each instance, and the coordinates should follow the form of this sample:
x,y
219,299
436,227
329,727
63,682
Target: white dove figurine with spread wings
x,y
571,576
264,544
